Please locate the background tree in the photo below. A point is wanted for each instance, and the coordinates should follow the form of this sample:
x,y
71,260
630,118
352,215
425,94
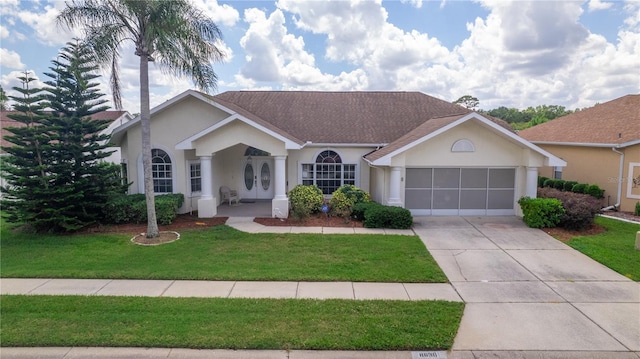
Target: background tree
x,y
174,34
4,100
468,101
65,185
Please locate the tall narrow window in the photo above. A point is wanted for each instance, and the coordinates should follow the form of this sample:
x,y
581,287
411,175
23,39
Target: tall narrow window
x,y
328,172
557,172
195,176
162,171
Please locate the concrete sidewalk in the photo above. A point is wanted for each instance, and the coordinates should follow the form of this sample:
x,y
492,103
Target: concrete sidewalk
x,y
230,289
246,224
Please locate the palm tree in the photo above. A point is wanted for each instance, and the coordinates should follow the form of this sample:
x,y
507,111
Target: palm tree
x,y
174,34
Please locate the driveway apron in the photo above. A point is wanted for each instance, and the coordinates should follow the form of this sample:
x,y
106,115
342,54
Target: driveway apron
x,y
528,291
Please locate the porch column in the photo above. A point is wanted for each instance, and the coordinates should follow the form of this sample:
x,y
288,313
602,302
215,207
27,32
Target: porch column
x,y
394,187
207,202
280,202
532,182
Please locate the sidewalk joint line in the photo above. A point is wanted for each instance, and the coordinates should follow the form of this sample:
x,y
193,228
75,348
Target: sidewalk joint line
x,y
167,288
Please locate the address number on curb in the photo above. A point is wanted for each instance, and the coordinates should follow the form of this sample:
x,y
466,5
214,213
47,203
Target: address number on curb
x,y
429,355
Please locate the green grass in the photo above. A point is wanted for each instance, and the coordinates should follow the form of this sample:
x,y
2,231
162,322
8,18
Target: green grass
x,y
614,248
228,323
220,253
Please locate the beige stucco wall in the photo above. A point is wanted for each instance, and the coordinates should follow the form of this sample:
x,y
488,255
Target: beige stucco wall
x,y
597,165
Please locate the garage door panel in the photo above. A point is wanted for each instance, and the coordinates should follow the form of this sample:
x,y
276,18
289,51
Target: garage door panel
x,y
446,198
418,177
500,199
446,178
502,177
473,178
418,198
473,199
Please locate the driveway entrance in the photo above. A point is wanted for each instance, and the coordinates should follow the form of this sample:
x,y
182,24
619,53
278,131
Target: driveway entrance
x,y
527,291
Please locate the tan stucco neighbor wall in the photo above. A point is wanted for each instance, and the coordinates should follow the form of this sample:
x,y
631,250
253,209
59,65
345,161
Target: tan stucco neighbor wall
x,y
597,165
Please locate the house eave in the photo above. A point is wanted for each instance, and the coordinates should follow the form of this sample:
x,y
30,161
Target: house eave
x,y
588,144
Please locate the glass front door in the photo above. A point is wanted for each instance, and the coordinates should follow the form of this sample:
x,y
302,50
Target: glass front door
x,y
257,178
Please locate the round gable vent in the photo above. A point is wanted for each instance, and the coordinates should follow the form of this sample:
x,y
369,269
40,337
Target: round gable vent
x,y
463,145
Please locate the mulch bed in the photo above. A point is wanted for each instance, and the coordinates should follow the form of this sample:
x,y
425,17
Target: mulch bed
x,y
315,220
182,221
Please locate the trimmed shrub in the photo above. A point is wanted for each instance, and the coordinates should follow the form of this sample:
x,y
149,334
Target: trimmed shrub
x,y
541,181
637,211
579,188
559,184
341,205
352,192
549,182
388,217
133,208
595,191
359,209
541,212
580,209
568,185
305,200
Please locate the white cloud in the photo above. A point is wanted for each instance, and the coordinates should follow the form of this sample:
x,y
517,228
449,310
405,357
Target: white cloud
x,y
633,9
220,14
4,32
595,5
45,27
10,59
415,3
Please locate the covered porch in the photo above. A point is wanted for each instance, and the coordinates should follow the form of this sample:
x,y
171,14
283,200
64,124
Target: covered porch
x,y
257,208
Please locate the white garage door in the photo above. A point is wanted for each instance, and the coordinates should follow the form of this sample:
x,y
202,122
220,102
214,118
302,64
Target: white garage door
x,y
460,191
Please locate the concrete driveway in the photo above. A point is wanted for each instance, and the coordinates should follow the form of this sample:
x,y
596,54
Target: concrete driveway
x,y
526,291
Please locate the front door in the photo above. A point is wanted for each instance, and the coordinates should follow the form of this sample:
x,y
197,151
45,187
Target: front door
x,y
257,178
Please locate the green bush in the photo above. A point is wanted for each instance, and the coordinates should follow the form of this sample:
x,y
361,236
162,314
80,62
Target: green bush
x,y
559,184
341,205
595,191
359,209
541,212
541,181
637,211
579,188
388,217
133,208
580,209
305,200
352,192
568,185
549,182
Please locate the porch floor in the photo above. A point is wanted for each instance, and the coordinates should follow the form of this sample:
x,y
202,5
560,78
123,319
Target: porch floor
x,y
259,208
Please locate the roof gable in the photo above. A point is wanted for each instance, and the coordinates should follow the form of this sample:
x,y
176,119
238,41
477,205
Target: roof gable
x,y
611,123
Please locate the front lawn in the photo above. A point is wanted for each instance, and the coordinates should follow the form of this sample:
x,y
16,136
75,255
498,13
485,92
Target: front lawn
x,y
220,253
228,323
614,248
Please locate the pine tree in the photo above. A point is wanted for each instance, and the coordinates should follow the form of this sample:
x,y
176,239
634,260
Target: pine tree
x,y
25,168
77,184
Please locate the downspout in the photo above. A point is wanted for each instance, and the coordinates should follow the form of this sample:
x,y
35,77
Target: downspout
x,y
621,170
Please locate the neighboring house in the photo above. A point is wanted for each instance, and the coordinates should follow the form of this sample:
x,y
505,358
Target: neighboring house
x,y
405,148
601,145
118,118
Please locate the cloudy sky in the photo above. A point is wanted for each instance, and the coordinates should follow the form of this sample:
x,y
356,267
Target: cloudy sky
x,y
514,54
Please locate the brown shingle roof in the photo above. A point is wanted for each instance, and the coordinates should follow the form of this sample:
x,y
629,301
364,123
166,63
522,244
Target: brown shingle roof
x,y
342,117
613,122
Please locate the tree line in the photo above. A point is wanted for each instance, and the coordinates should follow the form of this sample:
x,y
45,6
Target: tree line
x,y
518,119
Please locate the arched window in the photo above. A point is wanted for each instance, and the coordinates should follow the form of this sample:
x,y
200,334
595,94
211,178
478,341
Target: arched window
x,y
328,172
161,171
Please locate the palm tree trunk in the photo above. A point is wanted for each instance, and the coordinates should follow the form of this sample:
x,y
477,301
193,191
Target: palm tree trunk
x,y
145,122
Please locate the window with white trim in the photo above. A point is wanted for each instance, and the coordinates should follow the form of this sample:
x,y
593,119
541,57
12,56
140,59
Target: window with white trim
x,y
195,176
328,172
162,171
557,172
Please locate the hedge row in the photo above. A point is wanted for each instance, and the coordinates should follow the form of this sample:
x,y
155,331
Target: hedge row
x,y
133,208
571,186
573,211
348,201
